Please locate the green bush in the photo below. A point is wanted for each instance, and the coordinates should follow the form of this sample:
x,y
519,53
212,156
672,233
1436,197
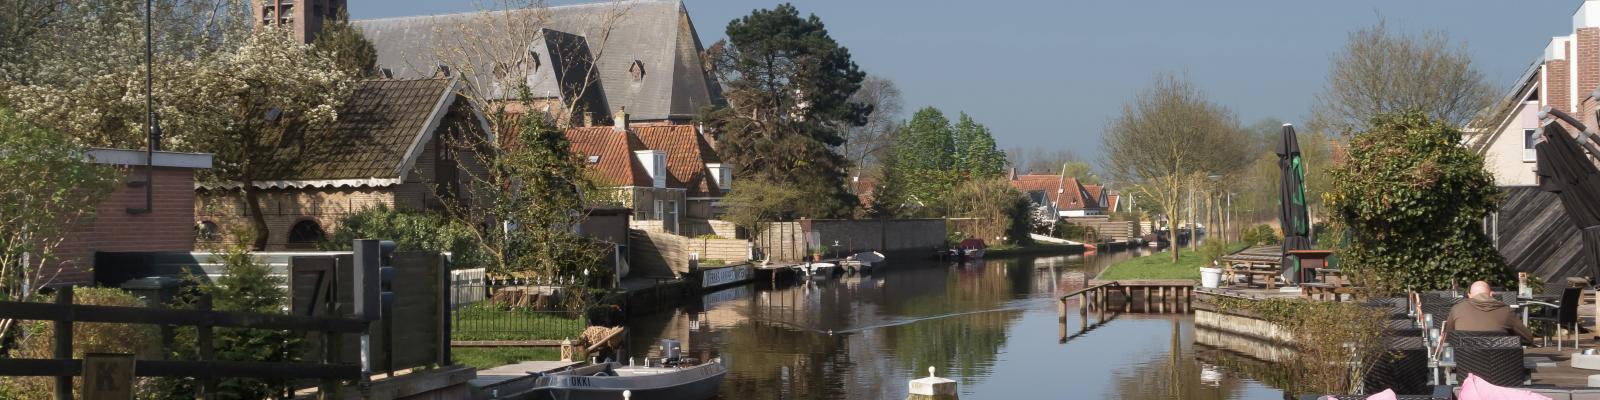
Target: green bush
x,y
1212,251
1260,235
248,286
410,231
140,340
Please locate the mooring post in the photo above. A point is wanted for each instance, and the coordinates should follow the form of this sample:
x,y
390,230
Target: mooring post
x,y
1061,309
933,388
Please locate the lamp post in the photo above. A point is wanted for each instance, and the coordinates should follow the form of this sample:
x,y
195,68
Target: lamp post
x,y
152,125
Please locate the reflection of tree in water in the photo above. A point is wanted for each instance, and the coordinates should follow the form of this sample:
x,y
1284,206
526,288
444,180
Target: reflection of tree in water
x,y
805,364
961,346
1176,376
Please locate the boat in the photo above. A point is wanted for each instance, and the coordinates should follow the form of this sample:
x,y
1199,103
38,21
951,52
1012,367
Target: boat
x,y
671,378
818,269
970,249
863,262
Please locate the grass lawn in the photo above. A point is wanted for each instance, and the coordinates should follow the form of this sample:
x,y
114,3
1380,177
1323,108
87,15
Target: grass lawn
x,y
1160,266
490,357
487,322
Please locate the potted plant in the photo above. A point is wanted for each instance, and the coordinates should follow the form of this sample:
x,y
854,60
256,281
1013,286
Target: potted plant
x,y
816,253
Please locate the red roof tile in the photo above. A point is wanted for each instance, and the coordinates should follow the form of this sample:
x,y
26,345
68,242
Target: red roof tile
x,y
611,152
1075,196
687,156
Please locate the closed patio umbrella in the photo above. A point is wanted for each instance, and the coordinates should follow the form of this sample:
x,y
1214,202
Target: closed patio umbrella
x,y
1292,213
1565,170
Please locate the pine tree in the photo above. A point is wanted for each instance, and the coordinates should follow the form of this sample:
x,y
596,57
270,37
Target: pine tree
x,y
788,86
976,155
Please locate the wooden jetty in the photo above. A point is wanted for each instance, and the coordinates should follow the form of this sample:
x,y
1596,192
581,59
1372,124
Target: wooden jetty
x,y
1107,299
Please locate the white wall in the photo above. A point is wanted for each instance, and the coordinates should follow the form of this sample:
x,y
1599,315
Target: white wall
x,y
1504,157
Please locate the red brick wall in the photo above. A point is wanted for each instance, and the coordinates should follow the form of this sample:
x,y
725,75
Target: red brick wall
x,y
169,228
1587,61
1556,92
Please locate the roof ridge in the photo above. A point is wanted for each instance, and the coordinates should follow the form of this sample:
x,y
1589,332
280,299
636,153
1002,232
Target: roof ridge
x,y
560,7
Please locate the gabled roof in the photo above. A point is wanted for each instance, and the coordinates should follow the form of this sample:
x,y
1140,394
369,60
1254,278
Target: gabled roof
x,y
612,153
656,34
687,156
1502,113
1111,202
1065,192
567,72
382,129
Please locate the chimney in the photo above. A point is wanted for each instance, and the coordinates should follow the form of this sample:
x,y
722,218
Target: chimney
x,y
588,118
621,119
1012,173
1585,60
1556,74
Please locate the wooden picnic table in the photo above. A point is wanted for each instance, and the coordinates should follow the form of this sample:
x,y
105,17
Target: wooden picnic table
x,y
1264,261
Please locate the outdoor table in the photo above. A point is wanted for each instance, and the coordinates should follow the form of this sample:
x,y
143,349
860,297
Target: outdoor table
x,y
1310,260
1538,299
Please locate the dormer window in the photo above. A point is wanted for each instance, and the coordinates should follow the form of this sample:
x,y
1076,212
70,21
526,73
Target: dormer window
x,y
594,159
637,70
654,163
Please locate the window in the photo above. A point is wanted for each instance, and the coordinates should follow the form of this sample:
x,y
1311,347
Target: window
x,y
594,159
658,210
305,234
1528,136
207,231
637,70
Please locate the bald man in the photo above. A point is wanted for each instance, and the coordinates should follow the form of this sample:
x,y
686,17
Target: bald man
x,y
1481,312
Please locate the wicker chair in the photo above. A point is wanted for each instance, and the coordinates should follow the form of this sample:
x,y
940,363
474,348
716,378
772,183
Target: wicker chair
x,y
1497,358
1404,368
1441,392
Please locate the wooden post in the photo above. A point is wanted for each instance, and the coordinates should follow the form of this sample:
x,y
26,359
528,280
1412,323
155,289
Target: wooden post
x,y
208,385
63,342
1127,299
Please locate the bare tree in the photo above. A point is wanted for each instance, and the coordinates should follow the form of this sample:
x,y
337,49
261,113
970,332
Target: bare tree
x,y
864,144
1380,71
1167,140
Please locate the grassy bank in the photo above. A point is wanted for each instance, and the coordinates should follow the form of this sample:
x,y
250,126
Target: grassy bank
x,y
1160,266
1010,250
490,357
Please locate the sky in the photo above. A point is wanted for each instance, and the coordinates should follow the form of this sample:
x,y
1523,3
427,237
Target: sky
x,y
1050,74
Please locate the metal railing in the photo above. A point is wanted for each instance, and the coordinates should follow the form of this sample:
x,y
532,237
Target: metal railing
x,y
521,309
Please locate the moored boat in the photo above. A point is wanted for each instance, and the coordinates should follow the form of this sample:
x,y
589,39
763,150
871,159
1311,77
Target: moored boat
x,y
606,381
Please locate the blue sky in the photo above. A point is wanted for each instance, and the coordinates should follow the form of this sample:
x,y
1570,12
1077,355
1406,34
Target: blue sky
x,y
1051,73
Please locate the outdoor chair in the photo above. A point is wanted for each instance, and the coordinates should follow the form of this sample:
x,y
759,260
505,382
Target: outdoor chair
x,y
1403,368
1441,392
1565,316
1438,305
1493,356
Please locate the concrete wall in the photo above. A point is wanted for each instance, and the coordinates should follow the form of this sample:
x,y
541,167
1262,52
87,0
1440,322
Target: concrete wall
x,y
170,227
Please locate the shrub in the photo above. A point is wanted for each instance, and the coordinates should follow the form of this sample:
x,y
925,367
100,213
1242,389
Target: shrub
x,y
1260,235
1414,201
138,339
409,231
1336,344
1212,251
999,209
248,286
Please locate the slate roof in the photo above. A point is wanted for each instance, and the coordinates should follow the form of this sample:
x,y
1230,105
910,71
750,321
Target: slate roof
x,y
687,156
612,152
657,34
382,123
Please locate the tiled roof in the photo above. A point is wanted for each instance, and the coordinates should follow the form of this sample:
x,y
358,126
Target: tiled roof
x,y
1093,195
1075,196
1111,201
687,156
612,152
657,34
380,125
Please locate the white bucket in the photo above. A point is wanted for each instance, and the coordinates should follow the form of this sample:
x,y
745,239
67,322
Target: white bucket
x,y
1210,277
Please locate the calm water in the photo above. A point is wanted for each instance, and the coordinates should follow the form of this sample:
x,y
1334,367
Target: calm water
x,y
993,328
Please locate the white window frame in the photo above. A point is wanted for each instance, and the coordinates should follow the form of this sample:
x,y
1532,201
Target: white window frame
x,y
1528,153
659,209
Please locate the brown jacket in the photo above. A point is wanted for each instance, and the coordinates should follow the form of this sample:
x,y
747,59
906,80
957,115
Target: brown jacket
x,y
1483,313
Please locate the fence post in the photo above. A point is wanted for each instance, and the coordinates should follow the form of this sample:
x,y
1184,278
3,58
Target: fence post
x,y
208,385
63,342
445,311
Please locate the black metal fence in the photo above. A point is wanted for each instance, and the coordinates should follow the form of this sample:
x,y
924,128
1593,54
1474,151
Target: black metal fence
x,y
522,309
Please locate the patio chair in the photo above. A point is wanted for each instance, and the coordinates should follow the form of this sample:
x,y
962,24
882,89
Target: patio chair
x,y
1438,305
1494,356
1564,317
1403,368
1441,392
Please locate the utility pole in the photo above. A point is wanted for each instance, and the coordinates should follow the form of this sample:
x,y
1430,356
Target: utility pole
x,y
1193,243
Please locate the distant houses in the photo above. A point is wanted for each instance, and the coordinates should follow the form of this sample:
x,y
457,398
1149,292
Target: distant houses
x,y
668,174
1064,196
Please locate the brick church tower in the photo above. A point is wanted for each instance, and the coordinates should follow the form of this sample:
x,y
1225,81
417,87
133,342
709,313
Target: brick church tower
x,y
303,17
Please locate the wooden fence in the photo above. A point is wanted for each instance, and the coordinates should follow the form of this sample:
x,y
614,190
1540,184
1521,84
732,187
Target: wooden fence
x,y
207,369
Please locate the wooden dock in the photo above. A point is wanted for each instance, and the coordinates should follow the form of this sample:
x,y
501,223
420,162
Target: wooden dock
x,y
1107,299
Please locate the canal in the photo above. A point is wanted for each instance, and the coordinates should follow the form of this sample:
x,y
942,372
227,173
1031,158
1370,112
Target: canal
x,y
993,328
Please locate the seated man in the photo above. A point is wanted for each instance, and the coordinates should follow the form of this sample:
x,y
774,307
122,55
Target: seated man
x,y
1481,312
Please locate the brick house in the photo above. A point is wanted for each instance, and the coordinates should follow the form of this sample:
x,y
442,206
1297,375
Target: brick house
x,y
668,174
393,129
167,226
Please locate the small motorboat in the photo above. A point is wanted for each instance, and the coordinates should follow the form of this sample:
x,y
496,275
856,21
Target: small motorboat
x,y
863,262
672,378
969,249
818,269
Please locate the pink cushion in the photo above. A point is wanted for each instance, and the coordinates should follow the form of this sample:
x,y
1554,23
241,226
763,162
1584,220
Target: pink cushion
x,y
1386,394
1475,388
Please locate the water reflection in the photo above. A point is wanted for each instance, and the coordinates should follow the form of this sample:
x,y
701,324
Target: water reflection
x,y
991,327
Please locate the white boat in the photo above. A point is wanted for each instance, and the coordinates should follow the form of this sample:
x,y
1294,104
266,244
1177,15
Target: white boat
x,y
817,269
607,381
863,261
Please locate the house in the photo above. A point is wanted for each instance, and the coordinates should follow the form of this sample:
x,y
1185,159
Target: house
x,y
122,221
668,174
1506,141
643,56
397,134
1063,195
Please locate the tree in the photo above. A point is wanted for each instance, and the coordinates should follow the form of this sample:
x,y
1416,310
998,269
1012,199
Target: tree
x,y
1000,210
346,46
754,203
788,86
1169,138
1413,200
975,153
526,205
258,110
48,188
864,145
1380,72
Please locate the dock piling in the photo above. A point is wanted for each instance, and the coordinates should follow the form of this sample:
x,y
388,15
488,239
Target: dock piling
x,y
933,388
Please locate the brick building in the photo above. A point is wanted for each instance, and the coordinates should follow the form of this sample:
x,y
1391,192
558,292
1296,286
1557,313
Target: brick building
x,y
304,18
168,226
667,174
393,130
